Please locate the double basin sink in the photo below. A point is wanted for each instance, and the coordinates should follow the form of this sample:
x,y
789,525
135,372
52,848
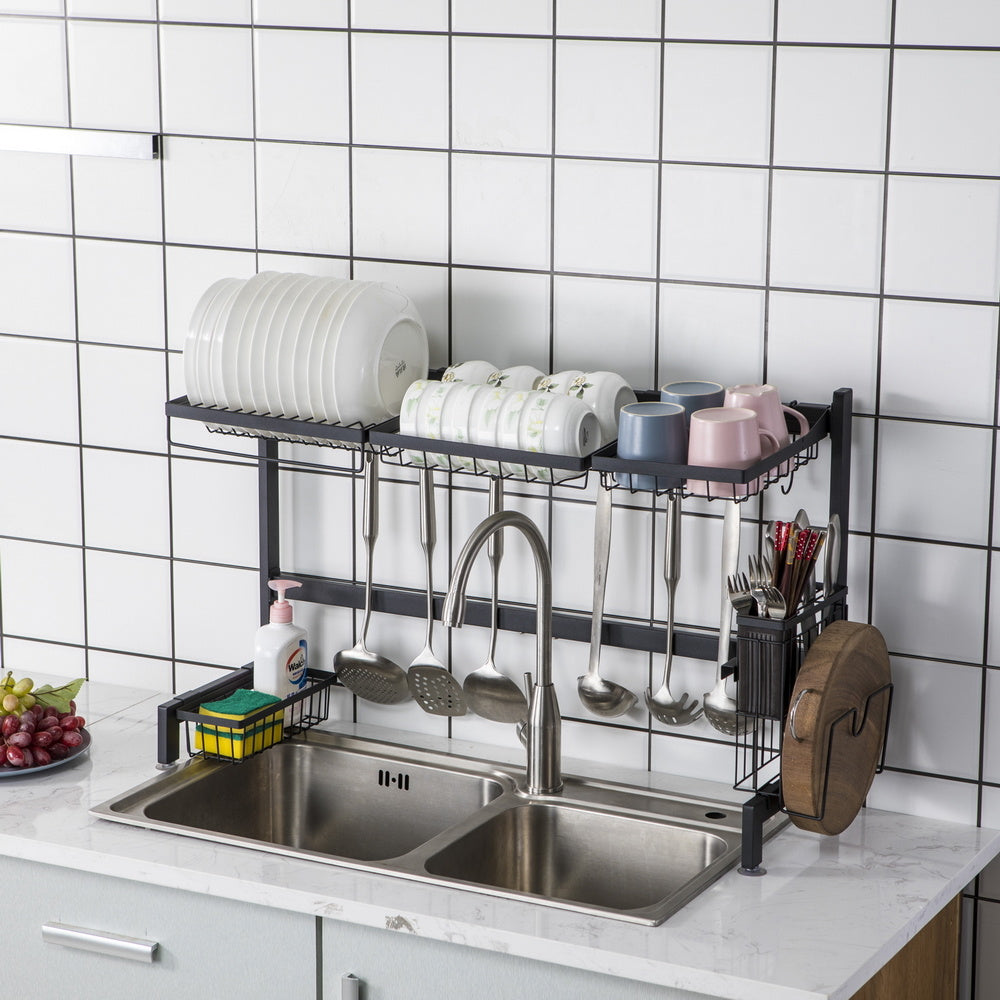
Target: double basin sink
x,y
597,848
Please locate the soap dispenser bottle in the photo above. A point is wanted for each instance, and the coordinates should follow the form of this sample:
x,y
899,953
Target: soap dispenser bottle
x,y
280,650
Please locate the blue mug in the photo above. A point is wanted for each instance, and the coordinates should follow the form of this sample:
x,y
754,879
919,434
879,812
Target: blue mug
x,y
651,432
693,395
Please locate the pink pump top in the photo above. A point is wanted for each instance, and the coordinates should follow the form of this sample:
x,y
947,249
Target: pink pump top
x,y
281,610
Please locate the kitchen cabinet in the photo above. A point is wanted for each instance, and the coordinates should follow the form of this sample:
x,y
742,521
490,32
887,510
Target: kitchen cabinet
x,y
927,966
396,965
206,947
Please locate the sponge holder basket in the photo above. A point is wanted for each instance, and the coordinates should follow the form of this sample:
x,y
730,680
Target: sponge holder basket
x,y
252,734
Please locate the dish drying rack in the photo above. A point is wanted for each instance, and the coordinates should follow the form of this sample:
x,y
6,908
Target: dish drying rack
x,y
758,746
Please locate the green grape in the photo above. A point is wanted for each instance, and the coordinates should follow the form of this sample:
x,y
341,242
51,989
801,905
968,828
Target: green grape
x,y
11,702
23,686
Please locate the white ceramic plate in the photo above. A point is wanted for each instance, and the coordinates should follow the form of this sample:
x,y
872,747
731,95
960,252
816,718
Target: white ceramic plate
x,y
217,316
300,348
294,331
279,337
264,396
222,363
309,375
253,332
197,328
322,375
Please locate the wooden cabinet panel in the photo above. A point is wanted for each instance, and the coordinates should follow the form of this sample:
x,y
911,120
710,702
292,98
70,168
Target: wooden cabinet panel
x,y
926,968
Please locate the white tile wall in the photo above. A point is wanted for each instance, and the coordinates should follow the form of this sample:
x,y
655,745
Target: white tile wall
x,y
668,188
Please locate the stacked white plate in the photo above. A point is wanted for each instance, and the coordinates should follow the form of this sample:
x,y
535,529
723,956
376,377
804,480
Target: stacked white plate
x,y
489,415
296,345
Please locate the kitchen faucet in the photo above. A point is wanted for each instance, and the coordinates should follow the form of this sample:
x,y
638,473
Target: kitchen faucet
x,y
542,732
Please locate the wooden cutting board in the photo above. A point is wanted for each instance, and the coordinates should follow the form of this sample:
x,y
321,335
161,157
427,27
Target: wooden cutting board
x,y
835,728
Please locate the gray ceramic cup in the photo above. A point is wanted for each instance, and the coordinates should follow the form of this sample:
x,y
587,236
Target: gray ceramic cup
x,y
693,395
651,432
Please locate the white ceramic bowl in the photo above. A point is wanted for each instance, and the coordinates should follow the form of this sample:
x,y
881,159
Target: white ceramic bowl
x,y
518,377
570,428
559,382
381,348
409,406
429,412
605,393
483,416
455,420
508,426
470,371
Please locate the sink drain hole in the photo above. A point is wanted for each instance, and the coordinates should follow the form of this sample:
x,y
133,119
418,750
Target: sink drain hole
x,y
715,815
389,780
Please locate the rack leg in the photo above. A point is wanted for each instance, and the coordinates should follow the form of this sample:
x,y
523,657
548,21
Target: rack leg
x,y
756,812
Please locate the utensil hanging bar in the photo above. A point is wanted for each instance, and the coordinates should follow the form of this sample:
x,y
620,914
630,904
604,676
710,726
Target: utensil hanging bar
x,y
512,617
79,141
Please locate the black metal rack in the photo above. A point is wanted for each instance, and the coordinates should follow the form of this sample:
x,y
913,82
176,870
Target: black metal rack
x,y
754,752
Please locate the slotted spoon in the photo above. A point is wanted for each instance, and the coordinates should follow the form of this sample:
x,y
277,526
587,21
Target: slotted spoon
x,y
434,689
370,675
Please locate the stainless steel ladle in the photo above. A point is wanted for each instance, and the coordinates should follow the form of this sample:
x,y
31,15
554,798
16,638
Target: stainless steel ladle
x,y
600,696
488,692
663,705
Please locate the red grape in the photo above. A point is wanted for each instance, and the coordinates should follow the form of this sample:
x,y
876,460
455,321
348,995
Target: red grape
x,y
42,756
15,756
19,740
10,725
72,739
70,722
42,738
59,751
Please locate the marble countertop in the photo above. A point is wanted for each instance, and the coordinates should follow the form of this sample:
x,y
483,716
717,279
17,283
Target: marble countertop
x,y
830,912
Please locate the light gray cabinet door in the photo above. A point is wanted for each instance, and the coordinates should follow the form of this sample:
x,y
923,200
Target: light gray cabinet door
x,y
395,965
206,947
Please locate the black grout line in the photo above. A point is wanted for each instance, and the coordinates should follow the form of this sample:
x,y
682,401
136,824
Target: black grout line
x,y
79,378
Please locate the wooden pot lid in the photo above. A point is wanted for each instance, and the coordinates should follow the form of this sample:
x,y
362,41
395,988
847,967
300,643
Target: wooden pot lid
x,y
836,726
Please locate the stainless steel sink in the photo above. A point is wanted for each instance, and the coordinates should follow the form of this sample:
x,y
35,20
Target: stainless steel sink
x,y
577,855
598,848
312,798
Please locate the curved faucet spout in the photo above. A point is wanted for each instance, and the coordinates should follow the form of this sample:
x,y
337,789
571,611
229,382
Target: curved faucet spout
x,y
543,726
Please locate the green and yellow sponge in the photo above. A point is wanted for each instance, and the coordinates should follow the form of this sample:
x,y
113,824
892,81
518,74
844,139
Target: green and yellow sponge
x,y
239,741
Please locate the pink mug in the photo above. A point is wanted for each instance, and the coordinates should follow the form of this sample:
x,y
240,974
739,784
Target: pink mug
x,y
727,437
766,403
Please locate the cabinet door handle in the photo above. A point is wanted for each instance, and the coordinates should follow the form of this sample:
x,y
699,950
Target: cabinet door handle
x,y
118,945
350,987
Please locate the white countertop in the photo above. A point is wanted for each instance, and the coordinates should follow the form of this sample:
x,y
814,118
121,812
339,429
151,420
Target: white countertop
x,y
829,913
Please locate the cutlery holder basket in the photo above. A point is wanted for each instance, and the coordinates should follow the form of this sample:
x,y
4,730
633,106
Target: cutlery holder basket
x,y
769,653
